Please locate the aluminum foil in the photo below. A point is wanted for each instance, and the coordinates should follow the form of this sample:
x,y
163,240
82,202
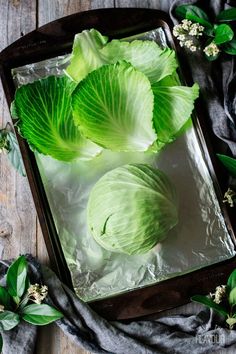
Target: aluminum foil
x,y
200,238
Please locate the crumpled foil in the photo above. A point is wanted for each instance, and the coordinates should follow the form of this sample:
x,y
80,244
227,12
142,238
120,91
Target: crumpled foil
x,y
200,239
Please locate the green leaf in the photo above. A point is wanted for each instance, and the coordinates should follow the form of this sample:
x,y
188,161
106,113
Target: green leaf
x,y
91,51
232,297
229,163
227,15
9,320
231,283
5,298
231,322
16,278
40,314
44,110
230,47
223,33
182,10
14,155
193,13
113,107
173,106
85,54
192,17
145,56
209,303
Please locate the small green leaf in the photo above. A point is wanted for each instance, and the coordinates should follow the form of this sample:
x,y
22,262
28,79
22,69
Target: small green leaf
x,y
192,17
1,343
231,322
230,47
229,163
232,297
5,298
210,303
194,14
227,15
231,283
16,278
223,33
182,10
14,155
9,320
40,314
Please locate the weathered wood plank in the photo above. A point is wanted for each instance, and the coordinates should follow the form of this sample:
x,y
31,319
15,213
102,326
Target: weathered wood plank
x,y
17,213
152,4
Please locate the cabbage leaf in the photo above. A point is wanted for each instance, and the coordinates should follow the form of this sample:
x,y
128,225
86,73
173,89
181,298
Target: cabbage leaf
x,y
173,106
146,56
85,54
91,50
113,107
45,119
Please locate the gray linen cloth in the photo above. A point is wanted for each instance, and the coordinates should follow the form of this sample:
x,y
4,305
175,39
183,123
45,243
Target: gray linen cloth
x,y
201,333
196,333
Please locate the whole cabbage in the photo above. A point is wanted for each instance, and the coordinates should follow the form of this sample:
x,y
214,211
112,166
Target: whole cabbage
x,y
131,209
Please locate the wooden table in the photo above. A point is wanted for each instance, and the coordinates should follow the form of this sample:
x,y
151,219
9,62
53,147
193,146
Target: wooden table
x,y
19,227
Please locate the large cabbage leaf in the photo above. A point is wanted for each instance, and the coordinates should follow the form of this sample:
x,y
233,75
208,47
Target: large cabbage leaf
x,y
146,56
85,54
45,119
131,209
91,50
173,106
113,107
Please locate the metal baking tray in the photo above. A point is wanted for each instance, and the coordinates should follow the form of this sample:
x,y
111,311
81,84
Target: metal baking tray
x,y
55,39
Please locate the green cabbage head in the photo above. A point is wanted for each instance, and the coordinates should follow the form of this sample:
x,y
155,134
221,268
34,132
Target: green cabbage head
x,y
131,209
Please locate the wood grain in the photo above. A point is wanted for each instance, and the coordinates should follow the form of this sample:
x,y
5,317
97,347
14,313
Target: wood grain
x,y
17,213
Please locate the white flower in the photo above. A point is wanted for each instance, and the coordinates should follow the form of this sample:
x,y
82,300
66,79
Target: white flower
x,y
193,48
188,43
211,50
196,30
220,293
37,293
176,30
181,37
229,197
186,24
2,309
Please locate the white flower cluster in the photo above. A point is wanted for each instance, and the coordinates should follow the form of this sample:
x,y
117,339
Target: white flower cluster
x,y
37,293
219,294
187,32
2,309
211,50
230,197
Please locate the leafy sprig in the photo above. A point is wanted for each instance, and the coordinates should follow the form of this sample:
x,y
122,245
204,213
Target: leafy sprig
x,y
217,37
230,165
223,301
9,146
20,300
